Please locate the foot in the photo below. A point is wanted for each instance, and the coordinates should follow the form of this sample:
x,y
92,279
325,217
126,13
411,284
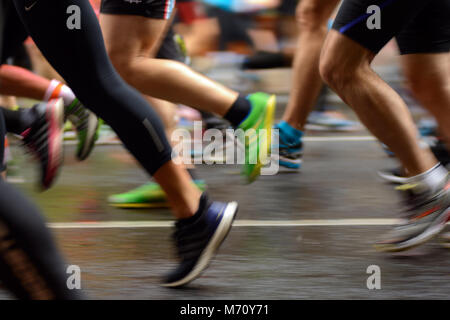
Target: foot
x,y
198,239
149,195
44,139
426,215
290,147
260,117
86,126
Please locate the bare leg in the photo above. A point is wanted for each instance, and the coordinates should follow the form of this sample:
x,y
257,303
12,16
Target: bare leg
x,y
312,16
130,40
345,66
20,82
429,78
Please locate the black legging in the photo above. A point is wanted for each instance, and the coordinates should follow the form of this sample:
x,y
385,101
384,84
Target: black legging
x,y
30,264
80,57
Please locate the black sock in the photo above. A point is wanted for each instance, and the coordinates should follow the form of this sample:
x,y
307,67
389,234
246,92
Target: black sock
x,y
17,121
239,110
203,205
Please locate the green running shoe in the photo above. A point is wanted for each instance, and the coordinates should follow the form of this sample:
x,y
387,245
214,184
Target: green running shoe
x,y
149,195
260,117
86,126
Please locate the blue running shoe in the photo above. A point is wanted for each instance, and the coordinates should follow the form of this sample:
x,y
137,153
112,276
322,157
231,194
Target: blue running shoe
x,y
198,239
290,146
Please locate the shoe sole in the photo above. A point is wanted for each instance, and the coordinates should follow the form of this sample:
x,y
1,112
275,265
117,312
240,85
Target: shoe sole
x,y
433,230
211,249
391,178
92,128
293,165
55,118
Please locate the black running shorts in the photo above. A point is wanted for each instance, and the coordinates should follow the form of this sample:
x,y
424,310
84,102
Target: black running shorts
x,y
155,9
420,26
170,49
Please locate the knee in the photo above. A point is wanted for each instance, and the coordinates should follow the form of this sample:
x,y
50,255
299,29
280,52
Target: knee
x,y
340,75
312,15
332,72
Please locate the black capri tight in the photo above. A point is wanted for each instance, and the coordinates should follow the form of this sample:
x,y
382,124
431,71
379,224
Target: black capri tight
x,y
80,57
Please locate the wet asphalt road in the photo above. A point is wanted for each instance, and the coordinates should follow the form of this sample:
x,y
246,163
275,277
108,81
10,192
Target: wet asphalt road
x,y
338,181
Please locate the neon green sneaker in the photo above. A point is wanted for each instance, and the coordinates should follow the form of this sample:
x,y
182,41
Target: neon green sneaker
x,y
149,195
260,117
86,126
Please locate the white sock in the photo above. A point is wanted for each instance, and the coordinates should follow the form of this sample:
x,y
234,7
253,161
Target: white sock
x,y
59,90
432,179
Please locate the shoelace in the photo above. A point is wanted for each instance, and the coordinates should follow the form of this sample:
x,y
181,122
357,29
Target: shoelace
x,y
78,115
36,140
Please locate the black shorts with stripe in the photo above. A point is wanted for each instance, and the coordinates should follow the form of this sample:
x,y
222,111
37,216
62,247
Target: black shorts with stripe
x,y
419,26
155,9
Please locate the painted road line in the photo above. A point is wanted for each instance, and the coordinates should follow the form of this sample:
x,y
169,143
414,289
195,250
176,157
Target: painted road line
x,y
237,223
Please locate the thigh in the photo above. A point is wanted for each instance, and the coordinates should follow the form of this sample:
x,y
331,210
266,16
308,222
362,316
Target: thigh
x,y
429,32
394,15
128,36
134,27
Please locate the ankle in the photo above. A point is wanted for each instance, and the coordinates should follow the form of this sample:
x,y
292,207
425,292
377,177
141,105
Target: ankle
x,y
187,207
432,179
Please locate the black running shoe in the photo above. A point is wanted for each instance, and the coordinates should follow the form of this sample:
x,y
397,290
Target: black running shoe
x,y
44,139
198,238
